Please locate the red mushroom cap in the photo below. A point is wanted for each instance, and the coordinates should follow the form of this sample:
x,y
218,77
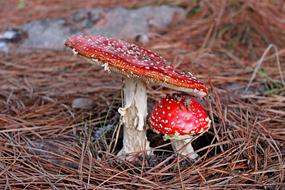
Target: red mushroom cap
x,y
134,61
179,116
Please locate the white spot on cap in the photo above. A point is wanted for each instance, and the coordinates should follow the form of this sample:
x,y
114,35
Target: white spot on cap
x,y
74,51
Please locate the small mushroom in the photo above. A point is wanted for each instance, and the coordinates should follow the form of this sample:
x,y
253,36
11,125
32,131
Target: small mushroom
x,y
179,118
139,67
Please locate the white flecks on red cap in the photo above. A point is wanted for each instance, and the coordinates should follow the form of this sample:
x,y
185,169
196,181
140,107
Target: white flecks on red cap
x,y
182,116
134,61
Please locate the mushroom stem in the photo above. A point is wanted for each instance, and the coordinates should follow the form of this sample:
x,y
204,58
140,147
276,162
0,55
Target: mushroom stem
x,y
133,116
184,147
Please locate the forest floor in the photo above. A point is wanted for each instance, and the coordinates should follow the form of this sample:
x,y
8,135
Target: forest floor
x,y
45,143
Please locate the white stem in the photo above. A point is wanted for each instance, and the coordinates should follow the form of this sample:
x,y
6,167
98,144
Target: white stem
x,y
184,147
133,115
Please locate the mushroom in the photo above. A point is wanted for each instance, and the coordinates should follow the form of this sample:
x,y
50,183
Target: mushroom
x,y
179,117
139,67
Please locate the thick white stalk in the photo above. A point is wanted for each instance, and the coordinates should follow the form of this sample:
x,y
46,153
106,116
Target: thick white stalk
x,y
133,116
184,147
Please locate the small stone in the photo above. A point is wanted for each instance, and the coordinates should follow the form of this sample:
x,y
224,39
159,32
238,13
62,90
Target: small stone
x,y
142,38
83,103
11,35
3,46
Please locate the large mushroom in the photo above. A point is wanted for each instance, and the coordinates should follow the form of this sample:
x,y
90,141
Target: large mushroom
x,y
139,67
179,118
